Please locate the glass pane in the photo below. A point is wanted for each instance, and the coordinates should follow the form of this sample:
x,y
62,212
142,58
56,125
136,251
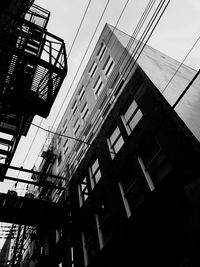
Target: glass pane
x,y
95,166
97,176
130,111
114,135
118,144
136,118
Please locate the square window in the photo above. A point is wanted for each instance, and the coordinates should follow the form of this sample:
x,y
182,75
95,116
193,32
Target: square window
x,y
93,69
154,162
108,66
98,86
115,141
83,191
66,145
95,173
101,51
84,112
74,107
131,116
81,93
76,127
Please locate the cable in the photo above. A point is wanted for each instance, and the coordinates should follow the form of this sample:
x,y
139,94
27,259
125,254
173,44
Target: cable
x,y
181,63
81,64
104,10
67,136
141,22
79,29
67,57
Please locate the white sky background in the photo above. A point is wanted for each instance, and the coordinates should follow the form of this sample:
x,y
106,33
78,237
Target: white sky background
x,y
175,34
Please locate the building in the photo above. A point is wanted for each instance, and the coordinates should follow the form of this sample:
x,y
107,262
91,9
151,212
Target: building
x,y
129,159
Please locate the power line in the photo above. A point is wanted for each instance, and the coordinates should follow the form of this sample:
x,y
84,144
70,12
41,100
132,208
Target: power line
x,y
135,33
59,134
84,15
104,10
79,28
181,63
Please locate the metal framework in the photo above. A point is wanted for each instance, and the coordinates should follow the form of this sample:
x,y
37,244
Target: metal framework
x,y
33,67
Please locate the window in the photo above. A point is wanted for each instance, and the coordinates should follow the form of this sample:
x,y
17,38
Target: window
x,y
133,187
154,163
93,69
84,112
90,239
98,86
101,51
131,116
115,141
66,146
74,107
83,191
108,66
95,173
81,93
65,126
76,127
104,227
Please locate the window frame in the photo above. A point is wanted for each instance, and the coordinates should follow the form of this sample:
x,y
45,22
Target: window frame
x,y
132,121
93,69
66,145
101,52
81,92
98,86
84,112
83,190
76,127
112,144
108,66
74,106
94,172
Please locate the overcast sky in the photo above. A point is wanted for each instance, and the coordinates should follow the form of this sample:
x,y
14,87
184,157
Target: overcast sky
x,y
175,34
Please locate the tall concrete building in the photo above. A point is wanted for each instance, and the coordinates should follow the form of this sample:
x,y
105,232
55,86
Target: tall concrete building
x,y
129,161
108,71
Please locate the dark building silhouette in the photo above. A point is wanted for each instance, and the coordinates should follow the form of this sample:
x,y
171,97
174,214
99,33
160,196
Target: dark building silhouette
x,y
130,161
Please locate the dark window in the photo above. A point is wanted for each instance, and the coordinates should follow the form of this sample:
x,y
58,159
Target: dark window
x,y
104,224
83,188
115,141
90,240
131,115
95,173
155,161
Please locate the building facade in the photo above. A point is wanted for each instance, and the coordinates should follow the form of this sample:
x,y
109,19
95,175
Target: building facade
x,y
130,161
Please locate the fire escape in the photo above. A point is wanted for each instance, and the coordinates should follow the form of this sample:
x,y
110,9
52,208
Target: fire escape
x,y
33,65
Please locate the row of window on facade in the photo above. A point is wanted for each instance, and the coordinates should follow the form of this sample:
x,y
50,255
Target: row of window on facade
x,y
151,166
131,115
97,87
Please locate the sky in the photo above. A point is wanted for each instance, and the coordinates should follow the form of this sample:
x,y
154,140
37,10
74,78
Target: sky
x,y
175,34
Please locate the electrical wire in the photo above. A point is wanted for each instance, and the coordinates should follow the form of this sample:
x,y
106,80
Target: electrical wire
x,y
96,28
143,19
84,15
62,135
183,61
74,40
